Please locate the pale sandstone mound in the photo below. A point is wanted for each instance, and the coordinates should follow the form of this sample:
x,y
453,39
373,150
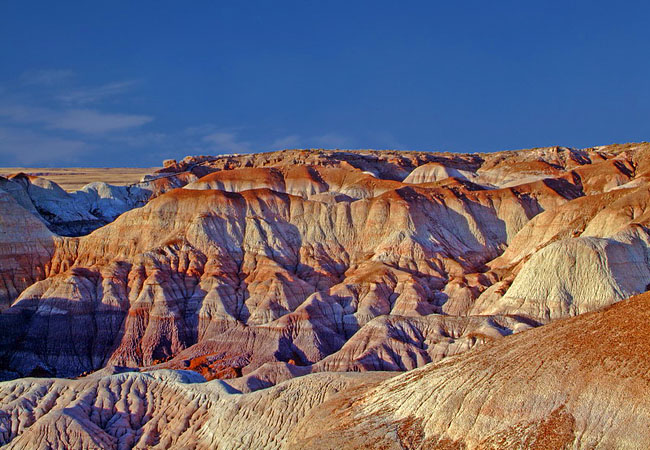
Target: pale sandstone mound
x,y
403,343
26,247
71,214
576,383
578,257
573,276
94,205
304,181
568,221
55,206
505,169
433,172
108,202
159,410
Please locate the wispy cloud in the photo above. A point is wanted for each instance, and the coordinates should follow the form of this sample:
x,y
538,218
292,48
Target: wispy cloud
x,y
227,142
331,140
49,118
23,148
87,95
388,141
328,140
140,139
210,138
86,121
91,121
291,141
47,77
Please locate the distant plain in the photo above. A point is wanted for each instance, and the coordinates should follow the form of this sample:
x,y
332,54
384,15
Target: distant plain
x,y
74,178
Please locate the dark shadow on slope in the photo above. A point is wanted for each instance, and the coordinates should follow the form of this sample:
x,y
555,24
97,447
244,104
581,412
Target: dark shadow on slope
x,y
57,337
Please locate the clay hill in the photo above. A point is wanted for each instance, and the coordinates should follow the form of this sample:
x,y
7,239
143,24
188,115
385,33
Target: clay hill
x,y
576,383
280,276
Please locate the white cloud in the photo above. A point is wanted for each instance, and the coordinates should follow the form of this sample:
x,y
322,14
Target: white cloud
x,y
91,121
226,142
48,120
85,121
46,77
291,141
25,148
202,130
330,141
388,142
140,139
212,140
95,94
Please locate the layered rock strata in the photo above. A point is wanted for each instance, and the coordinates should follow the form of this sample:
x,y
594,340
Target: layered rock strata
x,y
580,382
306,261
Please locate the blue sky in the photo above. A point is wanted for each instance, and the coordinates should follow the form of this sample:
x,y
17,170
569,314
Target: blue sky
x,y
130,83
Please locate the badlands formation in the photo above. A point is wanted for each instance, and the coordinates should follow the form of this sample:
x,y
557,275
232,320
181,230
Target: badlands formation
x,y
271,300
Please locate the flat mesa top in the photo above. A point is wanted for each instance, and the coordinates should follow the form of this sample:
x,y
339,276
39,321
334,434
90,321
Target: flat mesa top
x,y
74,178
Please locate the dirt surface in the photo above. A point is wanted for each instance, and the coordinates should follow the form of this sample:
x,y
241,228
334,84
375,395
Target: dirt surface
x,y
74,178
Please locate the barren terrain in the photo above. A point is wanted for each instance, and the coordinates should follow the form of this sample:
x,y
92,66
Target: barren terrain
x,y
273,300
74,178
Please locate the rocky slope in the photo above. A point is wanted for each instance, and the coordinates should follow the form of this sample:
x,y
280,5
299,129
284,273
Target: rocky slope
x,y
270,265
82,211
160,410
576,383
274,274
26,247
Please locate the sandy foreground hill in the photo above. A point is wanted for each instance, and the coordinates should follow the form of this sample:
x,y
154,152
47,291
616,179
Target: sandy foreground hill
x,y
300,283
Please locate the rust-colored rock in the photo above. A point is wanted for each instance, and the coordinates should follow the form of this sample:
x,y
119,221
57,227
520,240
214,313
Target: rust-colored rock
x,y
255,269
575,383
320,257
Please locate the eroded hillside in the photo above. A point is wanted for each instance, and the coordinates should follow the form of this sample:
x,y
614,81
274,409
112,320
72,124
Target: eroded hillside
x,y
270,265
292,268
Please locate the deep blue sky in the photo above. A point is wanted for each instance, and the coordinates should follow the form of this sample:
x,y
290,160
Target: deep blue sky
x,y
133,82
